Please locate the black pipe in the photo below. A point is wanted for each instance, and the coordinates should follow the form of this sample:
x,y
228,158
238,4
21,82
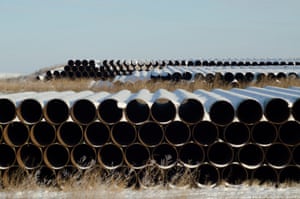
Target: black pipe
x,y
176,76
109,112
264,133
56,111
83,156
137,111
16,134
220,154
83,111
191,111
278,156
137,156
264,175
235,174
151,134
177,133
69,134
163,111
29,156
289,133
165,156
56,156
30,111
85,62
43,134
205,133
8,156
251,156
110,156
71,62
191,155
296,155
249,76
207,175
123,133
290,174
228,77
96,134
249,111
7,110
240,77
221,113
77,62
237,134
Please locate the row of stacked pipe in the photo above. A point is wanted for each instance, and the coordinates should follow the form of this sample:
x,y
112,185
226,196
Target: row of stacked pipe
x,y
177,70
179,138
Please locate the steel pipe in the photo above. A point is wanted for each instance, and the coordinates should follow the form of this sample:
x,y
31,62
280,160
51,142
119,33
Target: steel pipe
x,y
165,156
234,174
123,134
220,154
69,134
205,133
251,156
137,156
290,174
7,157
264,175
96,134
264,133
45,176
110,156
16,134
83,156
178,177
278,156
42,134
29,156
207,176
56,156
151,134
191,155
237,134
177,133
289,133
83,111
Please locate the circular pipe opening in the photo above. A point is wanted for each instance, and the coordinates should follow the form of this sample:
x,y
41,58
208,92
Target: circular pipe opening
x,y
165,156
83,111
264,175
278,156
16,134
177,133
151,134
29,156
207,176
123,134
264,133
191,155
290,174
83,156
220,154
109,112
7,111
251,156
45,176
191,111
110,156
56,156
96,134
30,111
69,134
56,111
178,177
228,77
205,133
137,111
277,111
235,174
237,134
289,133
163,111
221,113
249,111
137,156
43,134
8,156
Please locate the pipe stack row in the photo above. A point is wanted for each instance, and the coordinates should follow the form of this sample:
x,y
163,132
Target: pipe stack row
x,y
212,136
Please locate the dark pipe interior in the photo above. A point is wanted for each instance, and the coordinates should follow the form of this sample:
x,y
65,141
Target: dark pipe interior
x,y
249,111
191,111
30,155
97,134
177,133
137,155
151,176
163,111
57,111
84,111
278,155
205,133
44,133
264,133
289,133
123,133
137,111
290,174
237,133
45,176
177,176
251,155
207,175
164,155
111,155
57,155
228,77
8,156
7,111
240,77
220,154
151,134
296,155
191,154
109,111
221,113
249,76
31,111
296,110
84,155
277,110
70,133
17,133
176,76
235,174
265,174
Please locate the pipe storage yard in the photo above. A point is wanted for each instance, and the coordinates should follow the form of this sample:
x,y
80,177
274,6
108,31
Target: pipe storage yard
x,y
234,136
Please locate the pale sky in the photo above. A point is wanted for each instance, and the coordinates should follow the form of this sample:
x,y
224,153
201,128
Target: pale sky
x,y
40,33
